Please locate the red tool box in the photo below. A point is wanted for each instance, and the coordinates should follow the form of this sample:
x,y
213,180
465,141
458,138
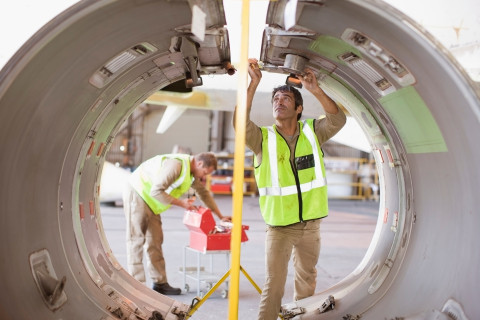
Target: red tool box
x,y
204,234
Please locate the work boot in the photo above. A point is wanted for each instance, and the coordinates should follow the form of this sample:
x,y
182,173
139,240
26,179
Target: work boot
x,y
166,289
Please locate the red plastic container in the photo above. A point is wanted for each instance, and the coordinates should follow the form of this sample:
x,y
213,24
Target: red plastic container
x,y
221,188
203,234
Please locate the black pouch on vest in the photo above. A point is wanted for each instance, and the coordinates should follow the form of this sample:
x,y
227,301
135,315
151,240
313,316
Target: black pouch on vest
x,y
305,162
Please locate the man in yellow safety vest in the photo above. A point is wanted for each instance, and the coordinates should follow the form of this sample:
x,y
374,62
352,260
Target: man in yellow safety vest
x,y
290,176
153,187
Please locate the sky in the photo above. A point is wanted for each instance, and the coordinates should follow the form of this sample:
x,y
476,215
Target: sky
x,y
20,19
441,17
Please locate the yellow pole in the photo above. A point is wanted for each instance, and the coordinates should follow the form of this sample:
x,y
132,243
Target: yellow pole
x,y
238,168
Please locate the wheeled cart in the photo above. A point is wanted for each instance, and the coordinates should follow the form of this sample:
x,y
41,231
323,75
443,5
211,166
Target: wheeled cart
x,y
205,279
206,239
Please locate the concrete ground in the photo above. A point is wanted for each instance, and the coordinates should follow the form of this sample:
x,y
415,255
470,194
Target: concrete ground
x,y
346,234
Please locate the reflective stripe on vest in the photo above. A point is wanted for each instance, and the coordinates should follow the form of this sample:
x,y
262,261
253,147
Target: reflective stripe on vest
x,y
275,189
177,183
291,192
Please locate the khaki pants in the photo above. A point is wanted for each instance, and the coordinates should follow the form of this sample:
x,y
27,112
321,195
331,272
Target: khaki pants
x,y
143,226
303,239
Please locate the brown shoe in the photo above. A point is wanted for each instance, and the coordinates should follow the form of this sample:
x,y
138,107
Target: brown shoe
x,y
166,289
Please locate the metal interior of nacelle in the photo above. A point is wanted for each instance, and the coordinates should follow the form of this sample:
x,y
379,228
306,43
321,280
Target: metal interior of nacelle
x,y
71,86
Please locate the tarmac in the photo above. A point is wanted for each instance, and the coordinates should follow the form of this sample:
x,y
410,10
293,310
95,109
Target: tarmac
x,y
345,234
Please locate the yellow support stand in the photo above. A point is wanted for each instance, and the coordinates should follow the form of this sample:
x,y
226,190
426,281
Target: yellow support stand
x,y
238,178
239,162
196,303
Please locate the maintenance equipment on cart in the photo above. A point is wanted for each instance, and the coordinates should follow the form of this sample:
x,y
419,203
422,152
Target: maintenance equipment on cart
x,y
206,238
205,235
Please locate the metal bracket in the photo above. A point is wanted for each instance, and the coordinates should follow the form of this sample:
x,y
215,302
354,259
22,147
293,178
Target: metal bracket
x,y
51,289
290,313
179,312
328,304
190,56
156,316
454,310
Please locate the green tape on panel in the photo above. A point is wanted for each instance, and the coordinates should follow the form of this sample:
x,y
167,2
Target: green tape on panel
x,y
331,48
414,122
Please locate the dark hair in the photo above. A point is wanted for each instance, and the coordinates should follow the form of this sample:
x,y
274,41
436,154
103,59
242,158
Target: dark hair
x,y
296,95
208,159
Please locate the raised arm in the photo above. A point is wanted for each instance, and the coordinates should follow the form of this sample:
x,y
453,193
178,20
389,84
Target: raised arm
x,y
334,119
310,82
253,133
255,76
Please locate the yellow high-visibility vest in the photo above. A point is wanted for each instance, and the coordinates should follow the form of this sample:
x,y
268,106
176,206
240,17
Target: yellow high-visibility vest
x,y
288,196
142,179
